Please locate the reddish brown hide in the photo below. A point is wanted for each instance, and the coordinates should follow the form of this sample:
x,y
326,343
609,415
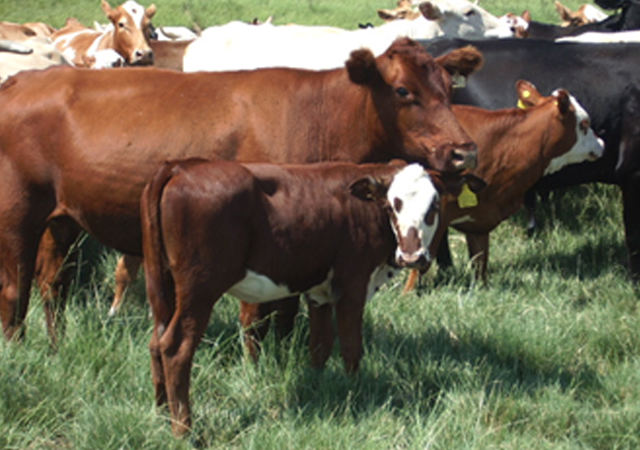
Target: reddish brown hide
x,y
260,231
515,147
77,158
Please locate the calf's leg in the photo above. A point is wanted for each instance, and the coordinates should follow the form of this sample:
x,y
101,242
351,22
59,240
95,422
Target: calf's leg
x,y
321,333
255,319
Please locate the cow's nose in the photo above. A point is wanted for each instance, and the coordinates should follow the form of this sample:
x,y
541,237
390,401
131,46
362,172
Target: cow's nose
x,y
143,56
465,156
416,260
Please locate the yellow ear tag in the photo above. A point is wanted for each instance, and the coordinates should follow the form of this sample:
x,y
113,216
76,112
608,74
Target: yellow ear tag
x,y
467,199
525,94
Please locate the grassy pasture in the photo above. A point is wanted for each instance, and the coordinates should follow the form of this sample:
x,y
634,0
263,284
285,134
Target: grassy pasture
x,y
546,356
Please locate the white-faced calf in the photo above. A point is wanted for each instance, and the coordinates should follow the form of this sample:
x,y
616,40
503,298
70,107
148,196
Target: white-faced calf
x,y
334,231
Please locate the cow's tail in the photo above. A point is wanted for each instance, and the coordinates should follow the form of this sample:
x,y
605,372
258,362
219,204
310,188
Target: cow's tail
x,y
160,284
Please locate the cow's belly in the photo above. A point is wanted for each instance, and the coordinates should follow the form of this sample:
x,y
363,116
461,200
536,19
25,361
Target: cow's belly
x,y
258,288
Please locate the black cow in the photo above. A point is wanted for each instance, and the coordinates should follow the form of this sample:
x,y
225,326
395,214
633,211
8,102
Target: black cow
x,y
627,19
603,77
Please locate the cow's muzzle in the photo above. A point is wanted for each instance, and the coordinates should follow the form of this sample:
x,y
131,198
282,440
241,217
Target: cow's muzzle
x,y
465,156
417,260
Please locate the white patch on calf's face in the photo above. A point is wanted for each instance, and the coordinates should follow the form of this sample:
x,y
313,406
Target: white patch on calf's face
x,y
587,147
414,201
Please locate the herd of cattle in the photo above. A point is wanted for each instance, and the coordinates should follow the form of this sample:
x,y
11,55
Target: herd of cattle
x,y
413,127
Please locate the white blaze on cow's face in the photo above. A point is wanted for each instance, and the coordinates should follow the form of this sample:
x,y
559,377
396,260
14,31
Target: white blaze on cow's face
x,y
588,147
414,203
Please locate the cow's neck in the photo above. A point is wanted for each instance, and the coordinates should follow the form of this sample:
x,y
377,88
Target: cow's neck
x,y
513,166
356,132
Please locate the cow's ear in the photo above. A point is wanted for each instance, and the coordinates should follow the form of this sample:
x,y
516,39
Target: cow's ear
x,y
362,67
106,7
369,189
563,101
150,11
528,94
461,62
565,13
430,11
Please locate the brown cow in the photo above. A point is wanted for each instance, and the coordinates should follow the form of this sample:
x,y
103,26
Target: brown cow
x,y
263,232
126,34
72,159
516,147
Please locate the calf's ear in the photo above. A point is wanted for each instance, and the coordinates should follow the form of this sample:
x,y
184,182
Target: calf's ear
x,y
528,94
369,189
362,67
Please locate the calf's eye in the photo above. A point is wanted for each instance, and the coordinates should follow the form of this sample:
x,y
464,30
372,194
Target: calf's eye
x,y
402,91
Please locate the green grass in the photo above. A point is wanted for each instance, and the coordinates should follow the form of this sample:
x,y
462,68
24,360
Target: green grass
x,y
546,356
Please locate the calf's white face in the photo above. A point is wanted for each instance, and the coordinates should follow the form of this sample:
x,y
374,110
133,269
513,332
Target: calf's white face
x,y
414,203
588,146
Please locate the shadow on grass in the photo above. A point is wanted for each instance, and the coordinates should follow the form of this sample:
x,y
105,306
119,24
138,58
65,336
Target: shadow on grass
x,y
411,372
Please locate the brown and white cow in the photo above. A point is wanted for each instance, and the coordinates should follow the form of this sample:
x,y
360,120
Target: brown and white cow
x,y
20,31
516,147
71,159
126,34
334,231
585,14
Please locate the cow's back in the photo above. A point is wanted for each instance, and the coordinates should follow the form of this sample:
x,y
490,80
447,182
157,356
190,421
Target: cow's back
x,y
95,137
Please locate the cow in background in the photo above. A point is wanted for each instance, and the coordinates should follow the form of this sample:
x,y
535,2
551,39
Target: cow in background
x,y
583,15
516,147
241,46
28,54
612,105
335,231
627,19
126,34
19,32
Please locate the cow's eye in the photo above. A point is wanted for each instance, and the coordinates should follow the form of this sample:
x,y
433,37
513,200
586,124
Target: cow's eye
x,y
469,13
121,24
402,91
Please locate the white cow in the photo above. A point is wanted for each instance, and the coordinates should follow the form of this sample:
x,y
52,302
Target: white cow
x,y
241,46
28,54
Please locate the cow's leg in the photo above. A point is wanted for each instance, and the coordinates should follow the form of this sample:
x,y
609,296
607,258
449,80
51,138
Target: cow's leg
x,y
53,276
530,206
178,344
20,231
126,272
444,253
631,199
255,320
321,333
478,245
18,265
349,318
